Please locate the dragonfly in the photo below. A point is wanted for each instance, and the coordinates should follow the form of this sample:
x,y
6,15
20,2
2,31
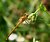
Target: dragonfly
x,y
21,19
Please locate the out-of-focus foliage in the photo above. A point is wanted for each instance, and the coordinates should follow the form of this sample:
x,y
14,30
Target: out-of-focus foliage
x,y
38,27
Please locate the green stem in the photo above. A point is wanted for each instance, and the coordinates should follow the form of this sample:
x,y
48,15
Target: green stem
x,y
38,9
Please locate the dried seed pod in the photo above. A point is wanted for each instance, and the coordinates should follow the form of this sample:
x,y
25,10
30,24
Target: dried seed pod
x,y
28,37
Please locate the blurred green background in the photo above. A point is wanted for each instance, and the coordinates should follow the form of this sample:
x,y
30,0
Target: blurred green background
x,y
34,31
